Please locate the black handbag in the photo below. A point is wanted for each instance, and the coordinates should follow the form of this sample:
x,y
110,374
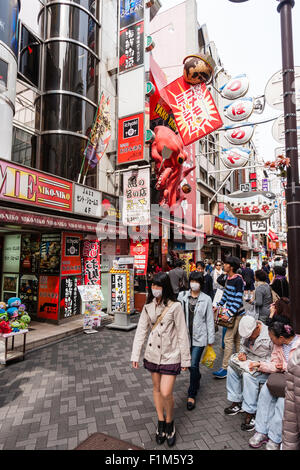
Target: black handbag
x,y
276,384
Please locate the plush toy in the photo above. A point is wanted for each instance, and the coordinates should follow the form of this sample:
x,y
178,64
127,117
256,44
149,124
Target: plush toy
x,y
25,319
13,304
5,327
3,316
3,307
12,312
15,325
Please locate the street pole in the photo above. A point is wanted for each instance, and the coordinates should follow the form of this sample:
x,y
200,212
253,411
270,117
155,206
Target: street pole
x,y
291,149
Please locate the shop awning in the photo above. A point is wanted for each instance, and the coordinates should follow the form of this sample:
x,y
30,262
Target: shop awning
x,y
34,219
184,229
220,241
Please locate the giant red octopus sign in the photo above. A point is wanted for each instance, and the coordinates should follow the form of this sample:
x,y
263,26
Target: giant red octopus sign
x,y
169,155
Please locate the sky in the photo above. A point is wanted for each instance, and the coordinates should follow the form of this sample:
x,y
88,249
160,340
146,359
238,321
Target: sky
x,y
247,36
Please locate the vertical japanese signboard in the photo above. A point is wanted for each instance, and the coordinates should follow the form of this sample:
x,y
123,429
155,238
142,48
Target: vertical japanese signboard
x,y
71,259
70,298
140,250
91,262
131,51
131,139
136,200
48,297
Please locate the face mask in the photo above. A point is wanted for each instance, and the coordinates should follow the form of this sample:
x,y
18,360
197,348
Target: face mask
x,y
157,293
194,286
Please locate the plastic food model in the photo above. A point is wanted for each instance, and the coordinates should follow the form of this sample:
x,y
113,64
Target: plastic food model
x,y
198,68
168,154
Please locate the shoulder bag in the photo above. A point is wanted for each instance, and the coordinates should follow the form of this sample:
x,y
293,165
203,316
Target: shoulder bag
x,y
226,323
276,384
161,316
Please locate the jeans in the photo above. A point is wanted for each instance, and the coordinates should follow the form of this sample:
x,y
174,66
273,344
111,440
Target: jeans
x,y
244,388
195,376
269,415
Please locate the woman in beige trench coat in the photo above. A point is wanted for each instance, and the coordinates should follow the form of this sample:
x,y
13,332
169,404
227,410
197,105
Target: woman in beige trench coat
x,y
167,351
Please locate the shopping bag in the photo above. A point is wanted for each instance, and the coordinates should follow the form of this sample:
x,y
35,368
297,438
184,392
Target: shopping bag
x,y
209,357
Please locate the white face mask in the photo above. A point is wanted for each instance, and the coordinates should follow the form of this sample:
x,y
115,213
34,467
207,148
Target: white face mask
x,y
195,286
157,293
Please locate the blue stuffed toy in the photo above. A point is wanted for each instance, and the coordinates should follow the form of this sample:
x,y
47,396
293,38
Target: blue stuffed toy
x,y
13,304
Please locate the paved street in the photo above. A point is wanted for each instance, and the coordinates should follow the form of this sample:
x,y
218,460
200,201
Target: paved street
x,y
64,392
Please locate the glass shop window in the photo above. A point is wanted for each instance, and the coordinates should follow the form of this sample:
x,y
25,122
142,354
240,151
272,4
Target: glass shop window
x,y
29,57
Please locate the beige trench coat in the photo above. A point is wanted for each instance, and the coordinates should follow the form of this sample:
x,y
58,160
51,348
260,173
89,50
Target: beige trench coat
x,y
168,343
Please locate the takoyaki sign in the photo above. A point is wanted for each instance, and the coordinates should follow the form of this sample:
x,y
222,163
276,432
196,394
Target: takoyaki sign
x,y
23,185
252,205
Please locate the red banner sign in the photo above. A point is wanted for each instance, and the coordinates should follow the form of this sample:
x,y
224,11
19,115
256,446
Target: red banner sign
x,y
71,259
22,185
48,297
131,139
140,252
91,262
194,109
227,230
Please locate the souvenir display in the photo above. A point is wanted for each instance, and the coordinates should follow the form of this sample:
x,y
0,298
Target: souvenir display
x,y
13,316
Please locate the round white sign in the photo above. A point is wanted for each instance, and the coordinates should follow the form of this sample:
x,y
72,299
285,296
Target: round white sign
x,y
239,110
274,90
239,135
278,130
235,157
235,88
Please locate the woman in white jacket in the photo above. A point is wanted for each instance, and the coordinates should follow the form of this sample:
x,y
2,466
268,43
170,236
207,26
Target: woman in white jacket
x,y
167,351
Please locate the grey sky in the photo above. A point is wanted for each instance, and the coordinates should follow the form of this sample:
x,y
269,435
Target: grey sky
x,y
247,36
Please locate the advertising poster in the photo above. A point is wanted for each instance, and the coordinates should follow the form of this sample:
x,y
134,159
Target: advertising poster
x,y
119,291
131,139
136,199
131,11
194,109
70,298
140,251
50,251
91,263
48,297
71,258
131,52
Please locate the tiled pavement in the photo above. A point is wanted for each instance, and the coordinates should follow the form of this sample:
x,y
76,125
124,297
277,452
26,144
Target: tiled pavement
x,y
64,392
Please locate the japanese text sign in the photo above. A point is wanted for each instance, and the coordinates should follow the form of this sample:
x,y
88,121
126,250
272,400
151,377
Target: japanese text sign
x,y
136,199
91,262
131,139
140,249
194,110
131,53
87,201
227,230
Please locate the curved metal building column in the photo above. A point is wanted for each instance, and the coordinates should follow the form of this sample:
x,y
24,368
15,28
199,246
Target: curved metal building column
x,y
70,84
9,13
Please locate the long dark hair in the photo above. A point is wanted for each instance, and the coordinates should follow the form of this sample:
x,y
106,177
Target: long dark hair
x,y
282,307
280,284
162,280
280,326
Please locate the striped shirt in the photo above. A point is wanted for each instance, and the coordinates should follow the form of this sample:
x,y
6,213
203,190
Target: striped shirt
x,y
233,296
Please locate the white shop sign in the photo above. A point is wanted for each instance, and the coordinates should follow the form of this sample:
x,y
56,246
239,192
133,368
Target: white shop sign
x,y
87,201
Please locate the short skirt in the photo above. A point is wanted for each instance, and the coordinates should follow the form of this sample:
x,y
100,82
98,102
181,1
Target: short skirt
x,y
165,369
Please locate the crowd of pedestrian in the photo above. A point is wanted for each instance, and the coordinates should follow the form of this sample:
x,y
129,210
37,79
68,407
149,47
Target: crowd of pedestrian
x,y
261,352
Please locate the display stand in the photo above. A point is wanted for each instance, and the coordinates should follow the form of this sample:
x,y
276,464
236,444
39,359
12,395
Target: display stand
x,y
10,354
121,300
91,297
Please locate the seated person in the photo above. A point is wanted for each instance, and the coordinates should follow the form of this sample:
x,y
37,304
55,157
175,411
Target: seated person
x,y
269,414
242,387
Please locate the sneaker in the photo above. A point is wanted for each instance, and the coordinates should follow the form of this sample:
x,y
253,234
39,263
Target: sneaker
x,y
170,433
271,445
220,374
249,423
160,435
258,440
233,409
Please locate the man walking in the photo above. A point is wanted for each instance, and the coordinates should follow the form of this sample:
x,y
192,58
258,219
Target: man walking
x,y
178,277
233,299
